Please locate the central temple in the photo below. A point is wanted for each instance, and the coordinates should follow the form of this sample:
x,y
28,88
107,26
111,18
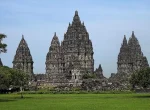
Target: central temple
x,y
73,58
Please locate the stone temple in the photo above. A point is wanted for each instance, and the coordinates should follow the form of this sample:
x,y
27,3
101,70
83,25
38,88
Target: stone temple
x,y
131,57
54,61
71,61
73,58
23,59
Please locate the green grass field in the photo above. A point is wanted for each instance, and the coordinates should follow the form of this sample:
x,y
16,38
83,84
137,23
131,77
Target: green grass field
x,y
75,102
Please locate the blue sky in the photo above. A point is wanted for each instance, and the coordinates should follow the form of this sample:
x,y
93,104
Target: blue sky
x,y
106,21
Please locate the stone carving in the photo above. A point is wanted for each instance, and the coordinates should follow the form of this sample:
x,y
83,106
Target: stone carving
x,y
23,59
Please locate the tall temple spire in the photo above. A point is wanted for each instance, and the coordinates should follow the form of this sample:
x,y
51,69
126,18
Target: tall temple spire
x,y
53,60
131,57
23,42
77,49
124,40
99,72
124,46
74,58
55,40
100,67
23,59
133,41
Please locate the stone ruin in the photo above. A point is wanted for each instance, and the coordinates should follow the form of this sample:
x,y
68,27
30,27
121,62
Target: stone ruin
x,y
130,60
23,58
71,59
67,62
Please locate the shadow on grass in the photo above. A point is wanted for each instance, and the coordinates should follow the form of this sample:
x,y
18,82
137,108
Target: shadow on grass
x,y
24,97
6,100
146,96
15,99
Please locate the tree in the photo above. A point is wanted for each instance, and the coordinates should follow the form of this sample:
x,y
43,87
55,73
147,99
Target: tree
x,y
2,45
19,79
5,78
12,78
141,78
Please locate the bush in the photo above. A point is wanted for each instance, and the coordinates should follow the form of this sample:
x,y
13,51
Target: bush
x,y
87,76
141,78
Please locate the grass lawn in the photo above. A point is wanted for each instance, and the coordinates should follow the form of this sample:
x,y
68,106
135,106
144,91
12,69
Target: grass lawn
x,y
75,102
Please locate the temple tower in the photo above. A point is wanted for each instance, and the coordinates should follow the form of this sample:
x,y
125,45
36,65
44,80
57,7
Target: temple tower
x,y
131,57
99,72
53,61
77,50
23,59
123,58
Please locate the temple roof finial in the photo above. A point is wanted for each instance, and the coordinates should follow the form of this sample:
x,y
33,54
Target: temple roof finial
x,y
22,36
54,33
76,19
133,34
55,40
100,67
124,40
76,13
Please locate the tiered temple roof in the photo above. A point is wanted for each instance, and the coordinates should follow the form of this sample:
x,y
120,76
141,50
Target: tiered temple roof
x,y
23,59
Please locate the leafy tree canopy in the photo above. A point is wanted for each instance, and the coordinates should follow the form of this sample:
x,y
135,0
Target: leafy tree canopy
x,y
2,45
141,78
12,78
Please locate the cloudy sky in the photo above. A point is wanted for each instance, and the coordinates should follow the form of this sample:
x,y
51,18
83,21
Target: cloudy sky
x,y
106,21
